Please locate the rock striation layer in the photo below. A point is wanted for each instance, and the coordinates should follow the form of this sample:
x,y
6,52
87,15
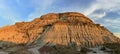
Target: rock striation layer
x,y
67,29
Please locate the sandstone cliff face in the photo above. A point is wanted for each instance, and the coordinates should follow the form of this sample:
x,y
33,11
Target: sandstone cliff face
x,y
66,29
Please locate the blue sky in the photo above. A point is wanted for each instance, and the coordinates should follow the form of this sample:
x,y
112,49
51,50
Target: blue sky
x,y
105,12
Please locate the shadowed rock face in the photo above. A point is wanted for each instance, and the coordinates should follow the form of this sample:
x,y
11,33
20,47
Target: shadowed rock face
x,y
68,29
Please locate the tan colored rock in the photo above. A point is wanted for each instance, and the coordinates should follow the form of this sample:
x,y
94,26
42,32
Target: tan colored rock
x,y
58,29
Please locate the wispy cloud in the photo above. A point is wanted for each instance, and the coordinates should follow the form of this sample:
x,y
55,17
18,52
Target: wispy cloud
x,y
7,12
91,9
106,6
41,8
114,23
97,10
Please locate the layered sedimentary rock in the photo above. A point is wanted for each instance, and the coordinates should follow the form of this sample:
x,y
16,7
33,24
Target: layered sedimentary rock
x,y
67,29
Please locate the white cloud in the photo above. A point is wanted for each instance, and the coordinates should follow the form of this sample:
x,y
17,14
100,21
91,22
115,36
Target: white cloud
x,y
40,8
91,9
106,5
7,12
98,15
101,15
113,23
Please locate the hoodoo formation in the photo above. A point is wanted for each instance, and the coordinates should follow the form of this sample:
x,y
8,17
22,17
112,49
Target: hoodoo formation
x,y
67,29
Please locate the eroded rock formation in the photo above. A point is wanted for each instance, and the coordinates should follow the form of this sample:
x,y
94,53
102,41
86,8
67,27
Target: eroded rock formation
x,y
68,29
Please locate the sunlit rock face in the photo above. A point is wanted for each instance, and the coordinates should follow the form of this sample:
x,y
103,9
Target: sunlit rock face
x,y
67,29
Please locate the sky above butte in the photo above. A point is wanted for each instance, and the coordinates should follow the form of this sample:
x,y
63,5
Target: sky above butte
x,y
105,12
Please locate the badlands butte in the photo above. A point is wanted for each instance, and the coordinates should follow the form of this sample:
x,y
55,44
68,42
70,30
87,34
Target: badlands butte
x,y
66,29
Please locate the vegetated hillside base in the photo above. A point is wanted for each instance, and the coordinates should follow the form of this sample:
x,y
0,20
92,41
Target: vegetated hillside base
x,y
64,29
